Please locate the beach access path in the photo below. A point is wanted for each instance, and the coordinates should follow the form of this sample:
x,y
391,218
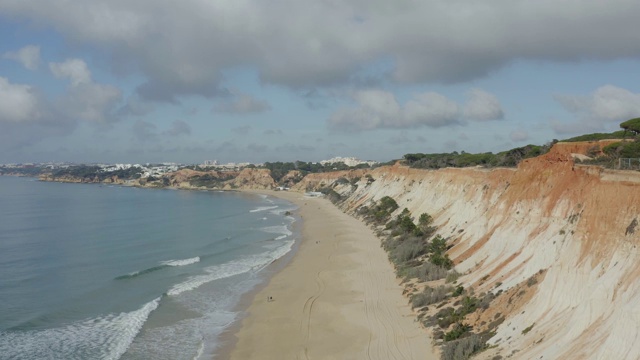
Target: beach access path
x,y
338,298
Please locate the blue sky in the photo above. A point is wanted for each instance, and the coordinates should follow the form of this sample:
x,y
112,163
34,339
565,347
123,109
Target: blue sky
x,y
247,80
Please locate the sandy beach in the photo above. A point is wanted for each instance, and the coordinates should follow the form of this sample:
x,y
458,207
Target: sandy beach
x,y
338,298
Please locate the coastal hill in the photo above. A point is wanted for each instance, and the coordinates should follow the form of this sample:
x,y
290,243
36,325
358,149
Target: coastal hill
x,y
539,261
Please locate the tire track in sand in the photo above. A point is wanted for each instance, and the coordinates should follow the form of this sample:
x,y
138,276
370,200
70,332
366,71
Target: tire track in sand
x,y
387,340
305,324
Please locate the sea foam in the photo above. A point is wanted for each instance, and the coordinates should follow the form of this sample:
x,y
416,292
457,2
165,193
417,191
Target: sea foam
x,y
247,264
283,230
182,262
106,337
263,208
163,264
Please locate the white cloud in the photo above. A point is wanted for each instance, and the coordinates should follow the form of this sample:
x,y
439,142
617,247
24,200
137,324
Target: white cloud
x,y
184,48
379,109
241,104
18,102
607,104
483,106
86,100
27,118
375,109
75,70
28,56
431,109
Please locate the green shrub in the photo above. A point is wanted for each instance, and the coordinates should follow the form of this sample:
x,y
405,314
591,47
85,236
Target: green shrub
x,y
462,349
598,136
408,250
425,225
452,276
428,272
331,194
458,331
379,212
441,260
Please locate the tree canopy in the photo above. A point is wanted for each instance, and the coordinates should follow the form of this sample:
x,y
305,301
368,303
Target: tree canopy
x,y
632,125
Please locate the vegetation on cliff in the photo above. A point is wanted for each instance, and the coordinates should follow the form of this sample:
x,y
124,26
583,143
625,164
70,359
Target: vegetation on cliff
x,y
509,158
280,169
95,173
208,180
606,156
420,257
632,125
599,136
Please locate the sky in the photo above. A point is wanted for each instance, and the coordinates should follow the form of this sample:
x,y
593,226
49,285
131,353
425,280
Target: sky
x,y
136,81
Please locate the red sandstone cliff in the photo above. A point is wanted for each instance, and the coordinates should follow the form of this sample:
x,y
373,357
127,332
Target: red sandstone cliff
x,y
569,227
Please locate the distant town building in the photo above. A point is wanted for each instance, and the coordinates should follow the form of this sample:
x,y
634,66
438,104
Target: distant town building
x,y
349,161
225,167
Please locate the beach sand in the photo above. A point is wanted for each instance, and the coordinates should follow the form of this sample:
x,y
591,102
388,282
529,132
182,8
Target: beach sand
x,y
338,298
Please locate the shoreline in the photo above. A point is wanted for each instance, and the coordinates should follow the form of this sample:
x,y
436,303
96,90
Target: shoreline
x,y
227,339
337,296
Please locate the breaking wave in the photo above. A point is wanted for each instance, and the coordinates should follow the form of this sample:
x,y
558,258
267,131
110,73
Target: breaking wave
x,y
263,208
106,337
182,262
247,264
163,264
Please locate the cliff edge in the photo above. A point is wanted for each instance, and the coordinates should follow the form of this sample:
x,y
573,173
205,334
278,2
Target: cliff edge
x,y
557,241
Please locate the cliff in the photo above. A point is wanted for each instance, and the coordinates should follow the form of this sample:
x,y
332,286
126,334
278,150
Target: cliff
x,y
559,239
252,179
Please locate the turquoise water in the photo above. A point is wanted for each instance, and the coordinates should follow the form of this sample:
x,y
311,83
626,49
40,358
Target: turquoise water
x,y
106,272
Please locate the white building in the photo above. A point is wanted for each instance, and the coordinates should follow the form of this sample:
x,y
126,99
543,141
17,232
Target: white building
x,y
349,161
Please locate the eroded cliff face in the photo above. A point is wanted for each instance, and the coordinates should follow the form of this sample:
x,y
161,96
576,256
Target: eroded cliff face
x,y
572,228
252,179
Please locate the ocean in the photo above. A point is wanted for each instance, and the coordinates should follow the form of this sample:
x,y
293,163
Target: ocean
x,y
93,271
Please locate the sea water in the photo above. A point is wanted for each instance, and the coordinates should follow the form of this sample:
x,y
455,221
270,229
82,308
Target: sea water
x,y
93,271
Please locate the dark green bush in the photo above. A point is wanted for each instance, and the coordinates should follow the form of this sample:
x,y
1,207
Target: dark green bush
x,y
598,136
632,125
458,331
